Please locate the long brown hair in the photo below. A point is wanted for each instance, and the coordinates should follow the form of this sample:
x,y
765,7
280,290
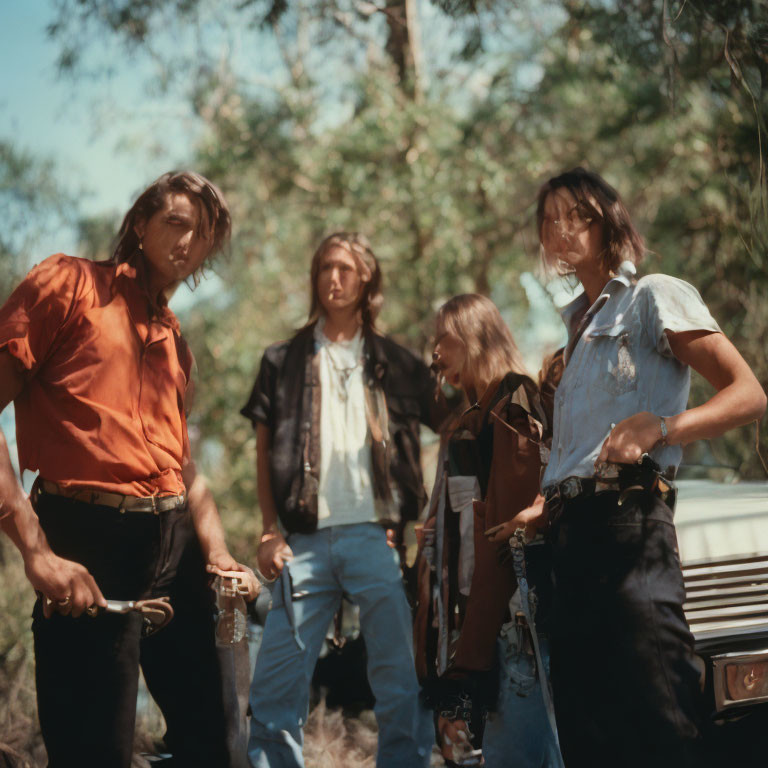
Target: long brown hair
x,y
153,198
598,199
358,246
490,347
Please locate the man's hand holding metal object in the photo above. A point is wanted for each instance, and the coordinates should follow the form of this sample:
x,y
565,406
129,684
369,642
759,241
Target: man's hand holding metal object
x,y
244,581
156,612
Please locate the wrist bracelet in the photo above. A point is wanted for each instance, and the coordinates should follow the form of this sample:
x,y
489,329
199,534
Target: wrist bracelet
x,y
663,425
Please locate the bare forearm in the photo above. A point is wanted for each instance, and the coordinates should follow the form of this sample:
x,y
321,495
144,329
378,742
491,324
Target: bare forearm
x,y
738,400
210,531
60,580
19,520
205,517
264,481
273,550
733,406
266,504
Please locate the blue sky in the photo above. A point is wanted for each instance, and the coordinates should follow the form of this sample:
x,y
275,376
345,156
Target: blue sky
x,y
105,150
110,136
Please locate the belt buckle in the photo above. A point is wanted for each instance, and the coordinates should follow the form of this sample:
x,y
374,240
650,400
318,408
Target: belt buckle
x,y
570,488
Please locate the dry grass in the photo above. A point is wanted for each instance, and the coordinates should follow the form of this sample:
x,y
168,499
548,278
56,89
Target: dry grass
x,y
19,731
334,741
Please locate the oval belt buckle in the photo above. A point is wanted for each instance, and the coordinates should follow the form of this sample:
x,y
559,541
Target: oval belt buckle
x,y
571,487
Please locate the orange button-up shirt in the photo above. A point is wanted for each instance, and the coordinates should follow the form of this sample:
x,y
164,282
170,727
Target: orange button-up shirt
x,y
103,401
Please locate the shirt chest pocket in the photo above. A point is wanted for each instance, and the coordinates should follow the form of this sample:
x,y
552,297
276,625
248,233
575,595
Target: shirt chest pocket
x,y
614,358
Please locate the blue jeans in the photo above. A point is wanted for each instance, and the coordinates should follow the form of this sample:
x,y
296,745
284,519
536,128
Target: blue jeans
x,y
518,732
352,560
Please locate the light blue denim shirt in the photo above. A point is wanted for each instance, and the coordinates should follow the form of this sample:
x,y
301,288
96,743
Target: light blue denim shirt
x,y
621,365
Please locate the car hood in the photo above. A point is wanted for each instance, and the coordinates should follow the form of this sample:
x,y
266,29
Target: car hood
x,y
716,520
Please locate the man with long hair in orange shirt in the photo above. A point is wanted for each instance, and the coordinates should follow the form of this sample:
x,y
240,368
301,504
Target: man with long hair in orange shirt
x,y
100,376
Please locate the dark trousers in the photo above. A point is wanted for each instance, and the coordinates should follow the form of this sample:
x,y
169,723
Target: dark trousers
x,y
626,690
87,668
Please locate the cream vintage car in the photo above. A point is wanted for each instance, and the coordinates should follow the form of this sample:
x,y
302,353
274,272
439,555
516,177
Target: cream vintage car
x,y
722,532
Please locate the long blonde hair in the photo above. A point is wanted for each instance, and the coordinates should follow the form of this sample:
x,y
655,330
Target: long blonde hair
x,y
490,347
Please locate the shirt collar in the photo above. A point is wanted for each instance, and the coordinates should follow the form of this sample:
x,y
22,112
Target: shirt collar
x,y
129,280
573,312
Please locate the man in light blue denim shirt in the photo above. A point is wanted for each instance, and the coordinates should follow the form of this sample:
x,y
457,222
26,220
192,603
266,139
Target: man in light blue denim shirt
x,y
621,365
626,686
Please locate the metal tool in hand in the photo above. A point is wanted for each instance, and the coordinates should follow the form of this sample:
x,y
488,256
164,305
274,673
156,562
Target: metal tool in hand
x,y
156,612
528,599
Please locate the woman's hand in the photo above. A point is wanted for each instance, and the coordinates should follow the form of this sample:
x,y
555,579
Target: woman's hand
x,y
630,439
530,519
272,554
454,738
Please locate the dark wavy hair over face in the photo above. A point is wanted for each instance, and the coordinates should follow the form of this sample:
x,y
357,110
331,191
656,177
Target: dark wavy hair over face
x,y
598,200
358,246
207,195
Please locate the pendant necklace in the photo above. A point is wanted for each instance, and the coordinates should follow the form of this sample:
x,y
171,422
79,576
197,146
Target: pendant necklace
x,y
342,375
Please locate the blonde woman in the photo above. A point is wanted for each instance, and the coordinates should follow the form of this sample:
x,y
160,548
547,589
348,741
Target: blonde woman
x,y
474,648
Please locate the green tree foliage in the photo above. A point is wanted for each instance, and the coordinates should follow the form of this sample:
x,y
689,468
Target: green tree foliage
x,y
709,60
430,126
32,202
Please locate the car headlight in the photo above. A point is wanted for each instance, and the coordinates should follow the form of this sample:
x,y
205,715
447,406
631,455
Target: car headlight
x,y
740,678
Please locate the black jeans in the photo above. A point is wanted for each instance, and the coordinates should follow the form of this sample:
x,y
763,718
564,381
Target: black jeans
x,y
626,690
87,668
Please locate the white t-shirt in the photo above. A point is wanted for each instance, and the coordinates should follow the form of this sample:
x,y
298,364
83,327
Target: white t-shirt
x,y
345,494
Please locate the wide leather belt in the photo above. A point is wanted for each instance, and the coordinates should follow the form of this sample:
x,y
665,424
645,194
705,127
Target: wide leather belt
x,y
573,487
146,504
643,476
